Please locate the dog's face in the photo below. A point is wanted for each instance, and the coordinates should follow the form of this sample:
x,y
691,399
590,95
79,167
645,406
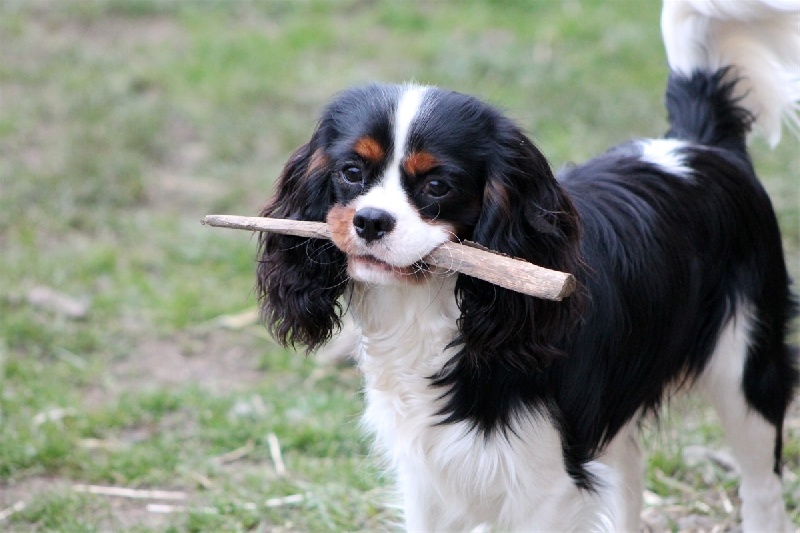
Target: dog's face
x,y
407,171
396,171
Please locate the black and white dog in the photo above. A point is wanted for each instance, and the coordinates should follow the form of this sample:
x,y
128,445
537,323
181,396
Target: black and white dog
x,y
496,409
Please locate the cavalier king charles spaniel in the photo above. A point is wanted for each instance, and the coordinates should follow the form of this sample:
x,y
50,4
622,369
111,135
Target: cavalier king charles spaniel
x,y
499,410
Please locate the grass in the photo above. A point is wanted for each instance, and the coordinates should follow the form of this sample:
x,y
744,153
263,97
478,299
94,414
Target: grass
x,y
122,122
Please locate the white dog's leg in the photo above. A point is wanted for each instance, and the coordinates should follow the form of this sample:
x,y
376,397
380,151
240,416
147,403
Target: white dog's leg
x,y
752,438
624,455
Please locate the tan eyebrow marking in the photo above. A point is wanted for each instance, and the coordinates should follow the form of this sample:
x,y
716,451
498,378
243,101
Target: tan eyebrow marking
x,y
370,149
419,163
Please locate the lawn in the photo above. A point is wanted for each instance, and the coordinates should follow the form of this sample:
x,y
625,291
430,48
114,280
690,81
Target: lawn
x,y
137,390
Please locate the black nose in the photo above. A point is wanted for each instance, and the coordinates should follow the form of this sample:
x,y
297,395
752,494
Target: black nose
x,y
373,224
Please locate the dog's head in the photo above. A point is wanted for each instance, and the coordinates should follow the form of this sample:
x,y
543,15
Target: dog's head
x,y
397,171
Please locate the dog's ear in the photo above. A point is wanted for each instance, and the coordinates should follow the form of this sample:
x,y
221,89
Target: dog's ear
x,y
300,280
525,214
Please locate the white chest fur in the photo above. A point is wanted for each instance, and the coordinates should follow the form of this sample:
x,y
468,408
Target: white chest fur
x,y
451,476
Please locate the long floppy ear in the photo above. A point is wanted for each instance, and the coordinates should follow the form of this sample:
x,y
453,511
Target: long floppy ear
x,y
299,280
525,214
505,335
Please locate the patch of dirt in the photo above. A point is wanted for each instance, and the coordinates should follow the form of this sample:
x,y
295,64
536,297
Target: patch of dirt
x,y
56,31
22,490
217,360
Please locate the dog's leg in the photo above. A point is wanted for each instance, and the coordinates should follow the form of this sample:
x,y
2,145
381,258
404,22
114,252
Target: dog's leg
x,y
624,455
754,440
423,508
418,513
569,508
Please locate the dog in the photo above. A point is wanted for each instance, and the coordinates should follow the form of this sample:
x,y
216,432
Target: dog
x,y
496,409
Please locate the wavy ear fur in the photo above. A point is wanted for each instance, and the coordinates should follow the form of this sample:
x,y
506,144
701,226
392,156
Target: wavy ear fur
x,y
506,337
299,280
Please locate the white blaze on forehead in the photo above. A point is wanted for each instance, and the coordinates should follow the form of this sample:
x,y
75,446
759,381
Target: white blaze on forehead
x,y
388,194
412,237
408,108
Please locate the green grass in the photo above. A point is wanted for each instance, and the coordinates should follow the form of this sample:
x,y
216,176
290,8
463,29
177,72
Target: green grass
x,y
123,122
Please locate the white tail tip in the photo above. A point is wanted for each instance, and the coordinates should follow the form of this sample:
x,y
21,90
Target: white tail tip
x,y
759,39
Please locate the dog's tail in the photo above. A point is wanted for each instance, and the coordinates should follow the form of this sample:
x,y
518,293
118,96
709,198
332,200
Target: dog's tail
x,y
735,66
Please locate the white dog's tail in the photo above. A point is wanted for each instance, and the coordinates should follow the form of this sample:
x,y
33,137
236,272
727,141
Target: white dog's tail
x,y
758,40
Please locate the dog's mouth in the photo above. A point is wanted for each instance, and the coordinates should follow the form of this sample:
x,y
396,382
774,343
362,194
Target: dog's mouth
x,y
371,262
371,270
365,267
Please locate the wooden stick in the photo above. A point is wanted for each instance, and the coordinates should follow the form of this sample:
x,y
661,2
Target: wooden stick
x,y
124,492
275,454
507,272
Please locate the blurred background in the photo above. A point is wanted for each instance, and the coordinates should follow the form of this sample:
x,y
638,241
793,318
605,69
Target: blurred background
x,y
131,358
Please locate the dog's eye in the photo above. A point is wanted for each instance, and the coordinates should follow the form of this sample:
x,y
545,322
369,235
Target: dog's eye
x,y
436,188
351,174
